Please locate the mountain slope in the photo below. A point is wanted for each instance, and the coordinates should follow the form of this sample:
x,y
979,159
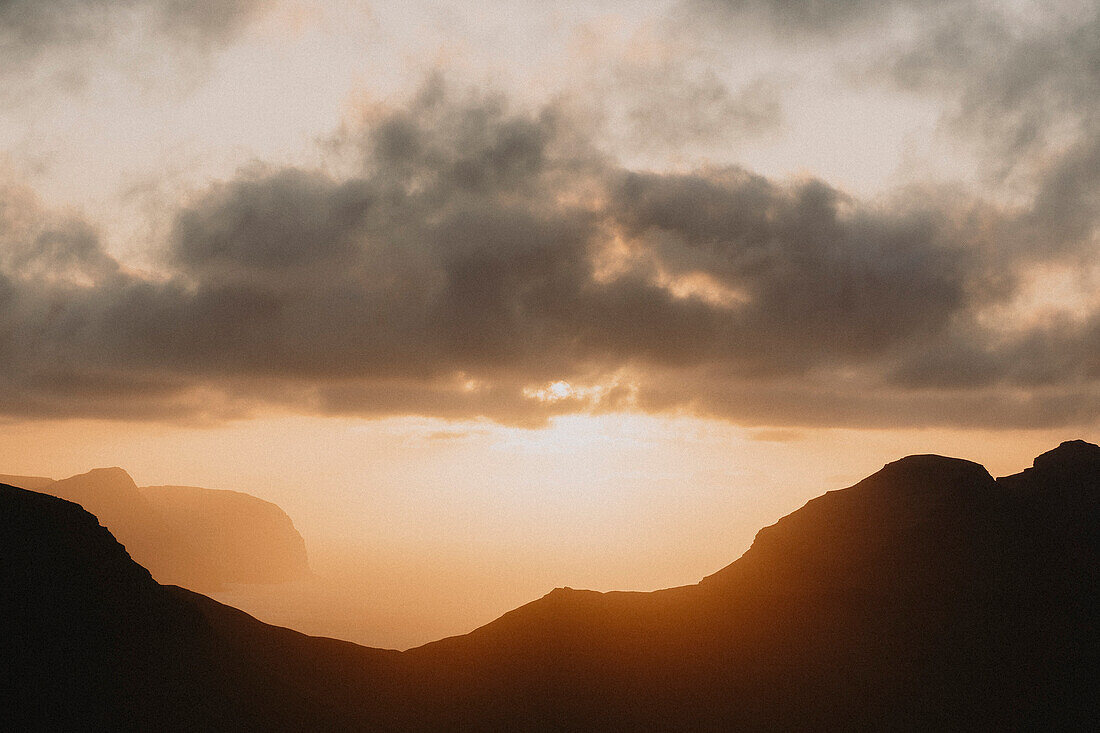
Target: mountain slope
x,y
92,642
927,596
923,596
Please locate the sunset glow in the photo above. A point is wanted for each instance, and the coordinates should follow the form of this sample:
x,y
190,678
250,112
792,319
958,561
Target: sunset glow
x,y
492,298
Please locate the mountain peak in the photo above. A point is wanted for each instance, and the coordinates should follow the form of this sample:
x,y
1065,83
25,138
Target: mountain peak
x,y
1071,455
103,479
113,475
925,471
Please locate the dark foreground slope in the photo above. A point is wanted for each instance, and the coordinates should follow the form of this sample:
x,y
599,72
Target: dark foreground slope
x,y
91,642
928,596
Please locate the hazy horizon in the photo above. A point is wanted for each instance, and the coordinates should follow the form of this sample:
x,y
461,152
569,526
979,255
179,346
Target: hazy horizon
x,y
398,581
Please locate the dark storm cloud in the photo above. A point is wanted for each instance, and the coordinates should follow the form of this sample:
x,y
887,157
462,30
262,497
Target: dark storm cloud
x,y
277,223
863,403
480,255
1055,353
822,278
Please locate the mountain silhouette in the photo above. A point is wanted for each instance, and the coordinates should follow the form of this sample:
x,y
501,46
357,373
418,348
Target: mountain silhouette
x,y
927,596
245,539
34,483
92,642
185,535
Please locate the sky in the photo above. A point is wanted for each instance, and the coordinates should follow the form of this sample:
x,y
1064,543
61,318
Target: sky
x,y
492,297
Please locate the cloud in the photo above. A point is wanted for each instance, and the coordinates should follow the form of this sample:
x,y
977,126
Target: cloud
x,y
662,91
818,277
488,261
34,25
815,17
58,44
60,248
1021,82
1016,74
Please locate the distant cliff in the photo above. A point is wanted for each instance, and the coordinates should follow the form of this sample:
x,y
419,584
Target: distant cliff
x,y
246,540
197,538
34,483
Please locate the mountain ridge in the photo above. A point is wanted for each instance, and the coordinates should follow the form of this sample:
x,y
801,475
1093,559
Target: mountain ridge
x,y
928,595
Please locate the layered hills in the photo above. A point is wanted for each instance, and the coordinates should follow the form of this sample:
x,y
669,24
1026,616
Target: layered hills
x,y
928,596
197,538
